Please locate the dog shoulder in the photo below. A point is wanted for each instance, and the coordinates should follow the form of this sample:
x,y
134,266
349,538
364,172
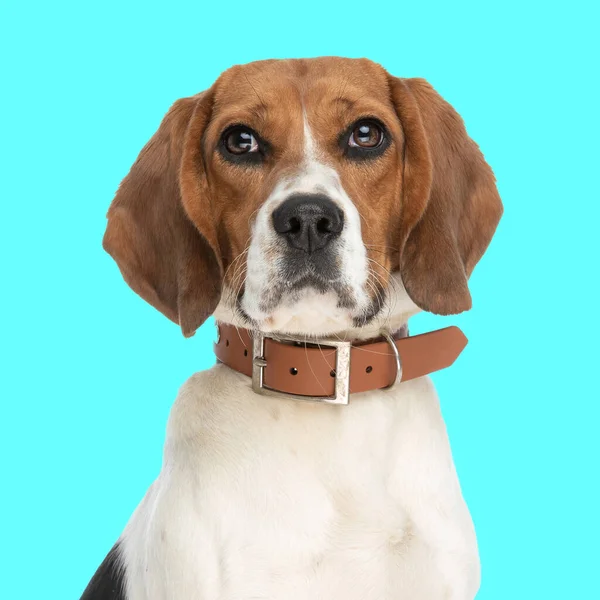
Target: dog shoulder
x,y
208,401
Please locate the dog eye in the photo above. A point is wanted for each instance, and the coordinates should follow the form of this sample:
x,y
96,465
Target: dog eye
x,y
240,140
366,134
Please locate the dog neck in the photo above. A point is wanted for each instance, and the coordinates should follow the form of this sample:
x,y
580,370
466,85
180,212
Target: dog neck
x,y
329,369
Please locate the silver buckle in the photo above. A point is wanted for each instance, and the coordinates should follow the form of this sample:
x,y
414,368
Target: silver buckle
x,y
342,369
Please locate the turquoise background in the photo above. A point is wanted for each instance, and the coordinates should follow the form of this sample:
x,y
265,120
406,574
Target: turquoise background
x,y
89,371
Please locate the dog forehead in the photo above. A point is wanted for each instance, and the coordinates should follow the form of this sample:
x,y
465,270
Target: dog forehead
x,y
295,84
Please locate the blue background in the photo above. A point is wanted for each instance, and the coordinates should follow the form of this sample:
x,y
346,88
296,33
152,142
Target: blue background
x,y
89,371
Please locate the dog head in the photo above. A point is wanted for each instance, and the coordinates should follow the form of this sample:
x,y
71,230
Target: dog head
x,y
305,196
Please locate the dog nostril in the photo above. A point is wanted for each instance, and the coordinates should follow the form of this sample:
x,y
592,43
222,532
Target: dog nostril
x,y
295,225
324,225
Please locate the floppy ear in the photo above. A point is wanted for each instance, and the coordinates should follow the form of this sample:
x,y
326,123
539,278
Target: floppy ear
x,y
160,227
450,205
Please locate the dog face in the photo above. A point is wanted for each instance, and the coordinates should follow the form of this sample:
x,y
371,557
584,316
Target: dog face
x,y
305,196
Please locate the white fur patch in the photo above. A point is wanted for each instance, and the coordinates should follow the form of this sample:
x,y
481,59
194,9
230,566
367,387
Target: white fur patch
x,y
268,498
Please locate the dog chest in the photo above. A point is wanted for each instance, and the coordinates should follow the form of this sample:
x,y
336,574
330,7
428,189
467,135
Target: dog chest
x,y
258,497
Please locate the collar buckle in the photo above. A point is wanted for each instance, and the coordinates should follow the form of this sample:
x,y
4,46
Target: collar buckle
x,y
342,369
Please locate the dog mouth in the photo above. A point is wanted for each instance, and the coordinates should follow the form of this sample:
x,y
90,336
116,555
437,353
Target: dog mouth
x,y
292,292
319,292
322,272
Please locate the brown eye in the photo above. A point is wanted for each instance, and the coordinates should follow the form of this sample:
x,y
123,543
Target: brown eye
x,y
366,134
240,140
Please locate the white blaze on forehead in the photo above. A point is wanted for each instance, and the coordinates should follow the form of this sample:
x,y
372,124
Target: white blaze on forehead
x,y
314,174
309,143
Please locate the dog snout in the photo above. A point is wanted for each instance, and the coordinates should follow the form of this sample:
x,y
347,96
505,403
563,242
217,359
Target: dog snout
x,y
308,222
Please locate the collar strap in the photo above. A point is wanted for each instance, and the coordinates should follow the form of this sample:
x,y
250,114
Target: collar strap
x,y
328,370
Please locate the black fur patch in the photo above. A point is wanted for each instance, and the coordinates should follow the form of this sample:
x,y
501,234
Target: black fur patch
x,y
108,582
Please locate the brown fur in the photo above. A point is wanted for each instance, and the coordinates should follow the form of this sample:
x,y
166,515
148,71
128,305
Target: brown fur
x,y
182,216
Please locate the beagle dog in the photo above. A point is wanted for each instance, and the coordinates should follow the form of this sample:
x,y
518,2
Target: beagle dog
x,y
311,207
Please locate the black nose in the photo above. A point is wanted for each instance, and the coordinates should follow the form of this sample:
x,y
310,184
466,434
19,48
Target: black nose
x,y
308,221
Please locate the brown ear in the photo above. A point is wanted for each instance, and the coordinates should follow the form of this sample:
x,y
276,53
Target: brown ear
x,y
167,255
450,205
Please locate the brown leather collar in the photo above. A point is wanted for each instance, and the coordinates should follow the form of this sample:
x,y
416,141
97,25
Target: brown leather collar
x,y
328,370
